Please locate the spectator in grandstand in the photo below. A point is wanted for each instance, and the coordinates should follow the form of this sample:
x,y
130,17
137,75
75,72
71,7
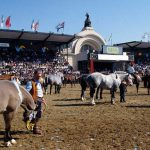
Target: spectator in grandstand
x,y
35,88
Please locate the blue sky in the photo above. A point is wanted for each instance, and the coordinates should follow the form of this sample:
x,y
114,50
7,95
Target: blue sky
x,y
127,20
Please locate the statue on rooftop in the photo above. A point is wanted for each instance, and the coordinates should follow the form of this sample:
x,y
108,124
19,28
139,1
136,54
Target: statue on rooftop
x,y
87,22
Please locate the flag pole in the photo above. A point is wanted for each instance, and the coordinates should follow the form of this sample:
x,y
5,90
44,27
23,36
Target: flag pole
x,y
111,39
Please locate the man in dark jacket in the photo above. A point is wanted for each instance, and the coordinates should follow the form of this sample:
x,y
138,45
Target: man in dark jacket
x,y
123,89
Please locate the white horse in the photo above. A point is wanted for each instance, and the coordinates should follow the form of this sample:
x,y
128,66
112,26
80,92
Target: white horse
x,y
12,95
111,81
53,79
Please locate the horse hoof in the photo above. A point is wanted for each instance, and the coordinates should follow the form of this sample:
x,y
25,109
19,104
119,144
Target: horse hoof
x,y
8,144
83,99
93,103
113,103
13,141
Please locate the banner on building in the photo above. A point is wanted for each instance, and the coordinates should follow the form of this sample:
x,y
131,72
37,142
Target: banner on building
x,y
4,44
113,50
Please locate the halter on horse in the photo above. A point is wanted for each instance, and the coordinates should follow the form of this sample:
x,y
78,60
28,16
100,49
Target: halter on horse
x,y
11,97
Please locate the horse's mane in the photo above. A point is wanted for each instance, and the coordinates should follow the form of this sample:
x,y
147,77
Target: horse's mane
x,y
25,91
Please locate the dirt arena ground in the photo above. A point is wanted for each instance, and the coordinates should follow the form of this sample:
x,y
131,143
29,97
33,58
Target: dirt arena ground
x,y
70,124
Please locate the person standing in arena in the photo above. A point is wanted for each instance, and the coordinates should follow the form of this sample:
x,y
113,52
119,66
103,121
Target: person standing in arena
x,y
35,88
123,89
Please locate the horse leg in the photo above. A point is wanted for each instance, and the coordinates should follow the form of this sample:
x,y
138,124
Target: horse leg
x,y
83,94
137,87
97,91
45,88
71,83
64,83
83,89
51,89
8,116
56,89
74,83
101,93
112,96
92,91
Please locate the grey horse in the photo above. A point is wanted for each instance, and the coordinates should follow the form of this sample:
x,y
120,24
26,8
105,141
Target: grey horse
x,y
98,80
53,79
11,97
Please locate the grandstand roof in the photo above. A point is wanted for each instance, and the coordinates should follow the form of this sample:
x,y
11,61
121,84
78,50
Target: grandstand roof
x,y
135,44
37,36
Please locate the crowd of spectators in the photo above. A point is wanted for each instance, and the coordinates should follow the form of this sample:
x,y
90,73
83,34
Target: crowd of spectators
x,y
25,61
142,68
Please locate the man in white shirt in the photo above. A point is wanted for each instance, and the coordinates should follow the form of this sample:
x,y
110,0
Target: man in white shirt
x,y
35,88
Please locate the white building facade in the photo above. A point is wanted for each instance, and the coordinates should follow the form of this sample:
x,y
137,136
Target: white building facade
x,y
85,42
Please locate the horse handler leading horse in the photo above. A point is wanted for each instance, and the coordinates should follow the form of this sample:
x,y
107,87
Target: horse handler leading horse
x,y
35,88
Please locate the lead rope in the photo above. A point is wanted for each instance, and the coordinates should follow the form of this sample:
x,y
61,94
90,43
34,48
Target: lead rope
x,y
32,116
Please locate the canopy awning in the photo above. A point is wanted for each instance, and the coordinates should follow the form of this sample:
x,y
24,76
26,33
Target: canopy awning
x,y
134,44
105,57
35,36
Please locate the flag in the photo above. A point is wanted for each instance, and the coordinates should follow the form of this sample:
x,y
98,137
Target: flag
x,y
2,21
33,25
36,26
60,25
7,22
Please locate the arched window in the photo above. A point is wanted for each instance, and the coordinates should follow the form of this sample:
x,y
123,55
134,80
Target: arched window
x,y
86,48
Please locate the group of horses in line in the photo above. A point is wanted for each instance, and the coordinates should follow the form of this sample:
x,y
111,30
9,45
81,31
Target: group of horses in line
x,y
13,95
94,81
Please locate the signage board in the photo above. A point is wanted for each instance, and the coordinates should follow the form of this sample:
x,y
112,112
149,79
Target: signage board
x,y
113,50
4,44
93,56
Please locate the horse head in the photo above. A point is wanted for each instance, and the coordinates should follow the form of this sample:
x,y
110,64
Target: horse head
x,y
137,77
129,80
127,77
27,101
